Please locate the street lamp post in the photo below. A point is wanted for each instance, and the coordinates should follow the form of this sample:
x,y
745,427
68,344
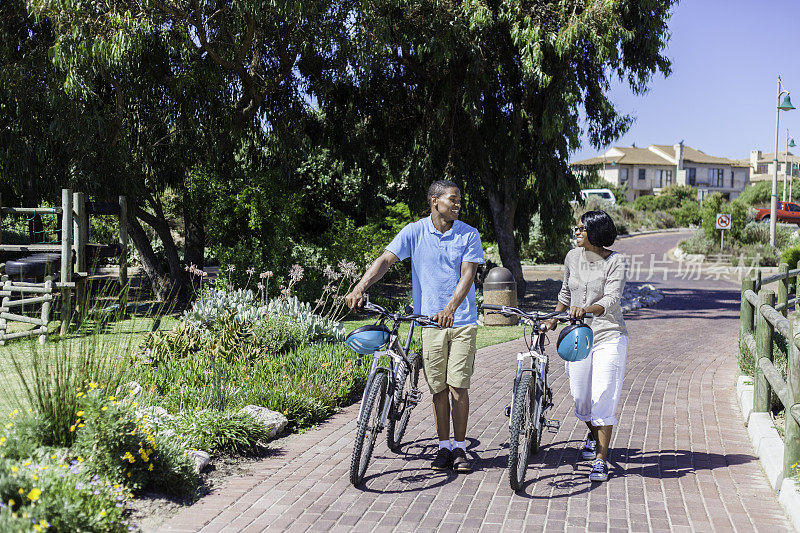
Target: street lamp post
x,y
785,105
786,161
790,168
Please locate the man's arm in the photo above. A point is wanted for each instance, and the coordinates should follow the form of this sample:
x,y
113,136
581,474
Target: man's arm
x,y
374,273
446,316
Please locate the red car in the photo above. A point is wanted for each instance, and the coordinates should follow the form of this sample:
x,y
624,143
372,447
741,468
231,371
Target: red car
x,y
785,212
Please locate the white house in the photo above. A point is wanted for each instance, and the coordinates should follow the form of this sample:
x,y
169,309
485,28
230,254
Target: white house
x,y
648,170
762,166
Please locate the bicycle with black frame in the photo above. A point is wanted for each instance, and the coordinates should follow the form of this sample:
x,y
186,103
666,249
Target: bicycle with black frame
x,y
531,396
391,392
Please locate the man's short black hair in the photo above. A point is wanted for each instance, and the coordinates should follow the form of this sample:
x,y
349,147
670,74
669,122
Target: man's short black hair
x,y
599,228
439,187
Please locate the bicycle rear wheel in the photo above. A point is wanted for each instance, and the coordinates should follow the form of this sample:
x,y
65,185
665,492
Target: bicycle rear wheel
x,y
404,402
521,431
367,429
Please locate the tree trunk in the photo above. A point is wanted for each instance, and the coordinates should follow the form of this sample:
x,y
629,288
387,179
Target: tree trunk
x,y
503,218
160,282
195,244
159,223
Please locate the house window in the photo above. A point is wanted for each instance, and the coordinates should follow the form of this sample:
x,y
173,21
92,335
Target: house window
x,y
731,178
641,173
623,175
715,177
691,176
664,178
762,169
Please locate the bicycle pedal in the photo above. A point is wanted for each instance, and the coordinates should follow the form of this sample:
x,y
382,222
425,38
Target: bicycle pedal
x,y
508,411
553,425
414,396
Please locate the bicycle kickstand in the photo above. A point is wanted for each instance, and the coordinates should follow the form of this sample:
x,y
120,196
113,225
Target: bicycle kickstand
x,y
553,425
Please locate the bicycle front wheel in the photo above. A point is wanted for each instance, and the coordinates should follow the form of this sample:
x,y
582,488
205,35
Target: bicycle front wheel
x,y
404,401
537,415
368,427
521,431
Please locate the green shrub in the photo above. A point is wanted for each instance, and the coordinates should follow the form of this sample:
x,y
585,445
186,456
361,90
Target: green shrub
x,y
277,335
758,232
757,193
121,446
645,203
182,341
688,214
544,247
218,431
791,256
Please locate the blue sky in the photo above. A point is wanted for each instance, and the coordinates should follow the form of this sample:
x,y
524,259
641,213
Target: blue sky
x,y
726,58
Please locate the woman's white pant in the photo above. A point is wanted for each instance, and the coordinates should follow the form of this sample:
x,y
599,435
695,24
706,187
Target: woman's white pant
x,y
596,382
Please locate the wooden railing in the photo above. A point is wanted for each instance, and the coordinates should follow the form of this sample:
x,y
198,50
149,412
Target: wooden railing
x,y
764,314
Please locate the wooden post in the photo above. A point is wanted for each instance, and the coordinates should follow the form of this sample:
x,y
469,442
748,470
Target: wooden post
x,y
764,333
3,322
48,284
746,310
66,258
783,287
80,231
791,436
123,243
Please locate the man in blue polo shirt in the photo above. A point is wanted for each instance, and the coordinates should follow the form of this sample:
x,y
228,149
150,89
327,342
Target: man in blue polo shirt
x,y
445,254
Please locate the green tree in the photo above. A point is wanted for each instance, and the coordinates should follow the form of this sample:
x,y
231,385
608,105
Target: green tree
x,y
491,94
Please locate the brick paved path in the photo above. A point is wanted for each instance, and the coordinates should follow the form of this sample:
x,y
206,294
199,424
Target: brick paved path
x,y
680,457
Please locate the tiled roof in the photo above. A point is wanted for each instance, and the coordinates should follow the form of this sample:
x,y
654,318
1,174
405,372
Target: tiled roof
x,y
658,154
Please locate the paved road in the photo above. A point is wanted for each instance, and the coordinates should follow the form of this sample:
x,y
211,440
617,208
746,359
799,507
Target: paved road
x,y
680,458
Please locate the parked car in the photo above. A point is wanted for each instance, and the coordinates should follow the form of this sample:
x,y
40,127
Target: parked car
x,y
785,212
603,194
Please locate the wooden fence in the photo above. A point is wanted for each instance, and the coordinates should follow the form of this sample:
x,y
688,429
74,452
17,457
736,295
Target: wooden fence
x,y
763,315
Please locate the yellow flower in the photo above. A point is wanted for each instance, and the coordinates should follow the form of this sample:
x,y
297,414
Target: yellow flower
x,y
37,527
80,459
11,503
81,425
150,468
102,513
80,413
111,398
105,408
9,425
14,469
72,428
21,491
92,385
35,477
2,440
135,404
79,395
34,494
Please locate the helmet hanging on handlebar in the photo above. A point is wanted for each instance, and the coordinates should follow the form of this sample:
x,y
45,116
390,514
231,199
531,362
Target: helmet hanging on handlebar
x,y
575,342
368,339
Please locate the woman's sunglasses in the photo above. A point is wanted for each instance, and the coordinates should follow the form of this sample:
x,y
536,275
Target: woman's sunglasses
x,y
579,229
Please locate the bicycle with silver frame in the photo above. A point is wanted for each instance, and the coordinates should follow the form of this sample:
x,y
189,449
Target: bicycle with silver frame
x,y
391,392
531,396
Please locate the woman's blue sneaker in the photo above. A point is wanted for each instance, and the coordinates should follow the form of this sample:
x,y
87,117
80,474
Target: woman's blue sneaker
x,y
589,449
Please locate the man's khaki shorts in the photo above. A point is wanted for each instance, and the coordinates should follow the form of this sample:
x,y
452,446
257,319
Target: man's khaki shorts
x,y
448,356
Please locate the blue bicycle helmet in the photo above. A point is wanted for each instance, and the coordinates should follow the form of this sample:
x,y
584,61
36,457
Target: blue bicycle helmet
x,y
575,342
368,339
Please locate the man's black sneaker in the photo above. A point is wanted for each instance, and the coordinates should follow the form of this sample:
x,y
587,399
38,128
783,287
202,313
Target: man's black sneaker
x,y
460,462
443,460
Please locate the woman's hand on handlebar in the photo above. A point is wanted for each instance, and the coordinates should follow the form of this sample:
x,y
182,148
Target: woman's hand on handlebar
x,y
576,312
551,324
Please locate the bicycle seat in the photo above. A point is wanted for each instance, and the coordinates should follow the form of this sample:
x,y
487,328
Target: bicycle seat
x,y
368,339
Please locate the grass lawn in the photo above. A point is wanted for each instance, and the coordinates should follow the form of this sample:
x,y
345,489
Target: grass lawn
x,y
118,337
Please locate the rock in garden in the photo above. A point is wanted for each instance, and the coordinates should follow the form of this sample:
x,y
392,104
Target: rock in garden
x,y
275,421
200,460
129,390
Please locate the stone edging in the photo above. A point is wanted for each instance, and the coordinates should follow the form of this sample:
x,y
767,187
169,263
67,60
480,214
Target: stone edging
x,y
651,231
768,445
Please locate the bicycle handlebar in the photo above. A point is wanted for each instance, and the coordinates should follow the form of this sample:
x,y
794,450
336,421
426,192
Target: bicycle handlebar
x,y
561,316
422,320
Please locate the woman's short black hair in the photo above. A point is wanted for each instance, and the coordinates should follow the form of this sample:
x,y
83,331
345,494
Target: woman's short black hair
x,y
599,228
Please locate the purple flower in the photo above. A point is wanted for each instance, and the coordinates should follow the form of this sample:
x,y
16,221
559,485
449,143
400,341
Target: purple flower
x,y
120,504
96,492
79,485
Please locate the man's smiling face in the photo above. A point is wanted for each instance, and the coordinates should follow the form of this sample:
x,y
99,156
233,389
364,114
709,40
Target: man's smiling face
x,y
448,205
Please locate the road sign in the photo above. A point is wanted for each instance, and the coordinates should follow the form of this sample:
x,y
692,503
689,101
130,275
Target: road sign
x,y
723,221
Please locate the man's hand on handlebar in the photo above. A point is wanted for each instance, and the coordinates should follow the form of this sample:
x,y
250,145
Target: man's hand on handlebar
x,y
445,317
356,298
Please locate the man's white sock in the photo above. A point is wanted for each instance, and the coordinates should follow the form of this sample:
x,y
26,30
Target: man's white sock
x,y
461,444
445,444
